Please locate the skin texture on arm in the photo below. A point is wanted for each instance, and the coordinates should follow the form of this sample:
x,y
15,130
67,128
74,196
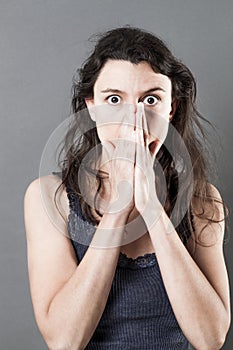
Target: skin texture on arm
x,y
68,299
197,286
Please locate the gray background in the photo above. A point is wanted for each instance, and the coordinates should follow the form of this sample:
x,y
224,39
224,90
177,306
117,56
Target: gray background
x,y
42,42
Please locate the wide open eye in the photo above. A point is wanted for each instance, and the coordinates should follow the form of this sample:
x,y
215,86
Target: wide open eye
x,y
114,100
150,100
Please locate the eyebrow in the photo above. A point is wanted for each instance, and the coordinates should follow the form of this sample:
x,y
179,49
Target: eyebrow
x,y
116,91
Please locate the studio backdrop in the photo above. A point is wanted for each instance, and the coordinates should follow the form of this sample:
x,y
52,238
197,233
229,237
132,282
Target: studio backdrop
x,y
42,43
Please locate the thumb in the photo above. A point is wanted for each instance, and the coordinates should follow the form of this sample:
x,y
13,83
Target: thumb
x,y
108,149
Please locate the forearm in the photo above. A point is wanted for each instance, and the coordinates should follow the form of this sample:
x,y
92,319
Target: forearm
x,y
199,310
77,307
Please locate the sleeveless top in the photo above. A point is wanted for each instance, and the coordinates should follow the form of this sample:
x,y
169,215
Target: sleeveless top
x,y
138,313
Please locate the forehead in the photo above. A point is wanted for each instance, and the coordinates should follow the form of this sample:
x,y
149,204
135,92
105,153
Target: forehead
x,y
123,75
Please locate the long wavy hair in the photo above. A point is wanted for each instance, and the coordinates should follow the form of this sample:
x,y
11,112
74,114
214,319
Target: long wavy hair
x,y
136,45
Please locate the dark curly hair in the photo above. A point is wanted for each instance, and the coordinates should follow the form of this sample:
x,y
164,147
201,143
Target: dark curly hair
x,y
136,45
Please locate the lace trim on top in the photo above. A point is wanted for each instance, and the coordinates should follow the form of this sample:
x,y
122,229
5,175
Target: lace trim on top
x,y
142,261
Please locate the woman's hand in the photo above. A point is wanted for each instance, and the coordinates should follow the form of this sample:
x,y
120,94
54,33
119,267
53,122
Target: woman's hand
x,y
146,200
119,158
129,158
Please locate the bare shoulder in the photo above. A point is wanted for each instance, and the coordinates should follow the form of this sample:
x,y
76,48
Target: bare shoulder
x,y
208,218
46,194
211,208
47,182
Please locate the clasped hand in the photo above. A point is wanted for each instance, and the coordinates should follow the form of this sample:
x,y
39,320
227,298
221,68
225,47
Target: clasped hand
x,y
129,157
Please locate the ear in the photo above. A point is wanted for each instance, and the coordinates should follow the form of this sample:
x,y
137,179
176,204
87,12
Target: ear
x,y
174,105
90,105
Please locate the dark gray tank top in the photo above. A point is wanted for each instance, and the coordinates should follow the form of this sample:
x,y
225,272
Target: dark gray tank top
x,y
138,314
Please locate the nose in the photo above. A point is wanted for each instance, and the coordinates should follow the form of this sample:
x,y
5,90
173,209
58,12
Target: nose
x,y
135,105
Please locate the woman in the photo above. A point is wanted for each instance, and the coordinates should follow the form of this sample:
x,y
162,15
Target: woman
x,y
108,283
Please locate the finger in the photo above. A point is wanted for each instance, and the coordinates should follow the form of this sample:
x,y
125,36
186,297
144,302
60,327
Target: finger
x,y
139,128
125,150
145,127
143,158
139,159
108,149
126,126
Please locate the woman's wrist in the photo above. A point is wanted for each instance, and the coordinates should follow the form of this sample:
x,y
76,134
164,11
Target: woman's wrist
x,y
110,231
152,211
119,208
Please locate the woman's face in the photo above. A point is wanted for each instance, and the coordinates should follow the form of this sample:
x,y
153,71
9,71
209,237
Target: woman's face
x,y
121,84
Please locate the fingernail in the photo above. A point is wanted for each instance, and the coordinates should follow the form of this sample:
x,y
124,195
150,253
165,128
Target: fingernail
x,y
140,106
